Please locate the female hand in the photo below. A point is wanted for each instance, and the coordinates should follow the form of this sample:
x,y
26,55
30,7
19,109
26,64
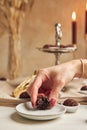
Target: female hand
x,y
50,81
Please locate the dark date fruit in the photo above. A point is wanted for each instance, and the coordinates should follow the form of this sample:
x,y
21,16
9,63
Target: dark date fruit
x,y
42,102
70,102
24,95
84,87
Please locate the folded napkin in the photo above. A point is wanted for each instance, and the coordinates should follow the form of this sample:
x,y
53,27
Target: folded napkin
x,y
6,98
72,90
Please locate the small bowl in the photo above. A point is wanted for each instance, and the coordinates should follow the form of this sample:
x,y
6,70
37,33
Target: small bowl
x,y
71,109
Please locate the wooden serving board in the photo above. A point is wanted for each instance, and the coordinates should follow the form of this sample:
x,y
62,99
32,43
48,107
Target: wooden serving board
x,y
11,102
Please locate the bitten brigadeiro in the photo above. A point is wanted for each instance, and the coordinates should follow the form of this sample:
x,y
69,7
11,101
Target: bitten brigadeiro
x,y
70,102
42,102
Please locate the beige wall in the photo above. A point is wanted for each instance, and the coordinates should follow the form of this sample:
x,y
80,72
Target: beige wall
x,y
38,29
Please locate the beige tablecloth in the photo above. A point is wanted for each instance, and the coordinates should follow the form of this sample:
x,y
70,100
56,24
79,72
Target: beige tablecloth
x,y
6,89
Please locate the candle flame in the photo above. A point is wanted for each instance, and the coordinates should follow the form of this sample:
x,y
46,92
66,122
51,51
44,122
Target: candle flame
x,y
86,5
74,15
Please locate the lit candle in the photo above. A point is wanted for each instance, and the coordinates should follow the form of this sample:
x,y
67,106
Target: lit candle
x,y
86,20
74,28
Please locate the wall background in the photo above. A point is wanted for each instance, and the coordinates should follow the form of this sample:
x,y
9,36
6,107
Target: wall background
x,y
38,29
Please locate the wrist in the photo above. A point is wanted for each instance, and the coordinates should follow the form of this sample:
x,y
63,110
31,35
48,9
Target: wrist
x,y
80,66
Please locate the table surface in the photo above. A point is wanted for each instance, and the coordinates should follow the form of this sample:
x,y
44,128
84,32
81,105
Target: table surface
x,y
9,119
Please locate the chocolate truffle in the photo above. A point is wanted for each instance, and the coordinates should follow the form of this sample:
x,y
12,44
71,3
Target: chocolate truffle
x,y
47,46
84,88
70,102
24,95
42,102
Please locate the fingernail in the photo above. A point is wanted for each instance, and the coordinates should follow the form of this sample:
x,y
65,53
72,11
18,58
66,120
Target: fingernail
x,y
33,105
52,102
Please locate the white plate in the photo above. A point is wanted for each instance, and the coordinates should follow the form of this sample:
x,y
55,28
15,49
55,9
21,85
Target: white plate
x,y
83,91
26,110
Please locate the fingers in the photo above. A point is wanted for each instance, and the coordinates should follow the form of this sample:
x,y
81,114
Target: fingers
x,y
52,102
53,97
34,87
55,93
